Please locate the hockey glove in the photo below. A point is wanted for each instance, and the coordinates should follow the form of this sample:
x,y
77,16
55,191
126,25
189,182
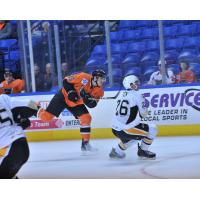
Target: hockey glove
x,y
88,99
24,123
73,96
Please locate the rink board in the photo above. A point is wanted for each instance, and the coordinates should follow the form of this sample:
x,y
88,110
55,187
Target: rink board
x,y
175,130
175,110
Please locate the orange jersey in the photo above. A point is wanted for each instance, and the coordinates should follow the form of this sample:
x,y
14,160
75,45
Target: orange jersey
x,y
15,86
186,77
79,81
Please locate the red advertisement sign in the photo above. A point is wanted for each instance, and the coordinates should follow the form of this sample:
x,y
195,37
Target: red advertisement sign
x,y
39,124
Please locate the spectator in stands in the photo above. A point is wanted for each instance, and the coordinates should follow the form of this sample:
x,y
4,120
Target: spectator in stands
x,y
5,29
156,77
11,85
39,79
49,79
39,26
186,75
65,69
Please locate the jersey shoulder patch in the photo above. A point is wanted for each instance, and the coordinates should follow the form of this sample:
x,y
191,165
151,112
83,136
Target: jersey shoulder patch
x,y
84,81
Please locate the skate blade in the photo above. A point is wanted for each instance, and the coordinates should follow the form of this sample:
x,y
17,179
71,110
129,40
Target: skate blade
x,y
145,158
89,153
116,158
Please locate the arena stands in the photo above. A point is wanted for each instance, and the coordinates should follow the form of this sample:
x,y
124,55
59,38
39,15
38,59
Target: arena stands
x,y
136,42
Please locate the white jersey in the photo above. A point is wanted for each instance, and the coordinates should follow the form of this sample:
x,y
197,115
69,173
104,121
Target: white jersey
x,y
9,131
129,108
156,78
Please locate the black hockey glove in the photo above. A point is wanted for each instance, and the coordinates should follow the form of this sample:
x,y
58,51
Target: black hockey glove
x,y
24,123
88,99
73,96
84,94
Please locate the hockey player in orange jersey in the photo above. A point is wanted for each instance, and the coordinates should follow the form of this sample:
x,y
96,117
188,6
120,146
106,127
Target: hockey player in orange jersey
x,y
78,90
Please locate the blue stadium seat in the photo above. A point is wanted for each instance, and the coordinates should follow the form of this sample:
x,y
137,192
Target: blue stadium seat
x,y
188,55
133,71
191,42
117,75
14,55
174,43
150,33
153,23
171,56
195,67
175,68
151,56
7,43
171,22
99,49
136,47
94,61
116,36
152,45
142,23
126,24
133,58
170,31
13,22
116,59
187,30
119,48
131,35
198,58
197,32
150,59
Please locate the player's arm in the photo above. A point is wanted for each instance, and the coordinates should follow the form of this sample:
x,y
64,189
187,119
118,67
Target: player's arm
x,y
21,110
141,105
151,80
68,85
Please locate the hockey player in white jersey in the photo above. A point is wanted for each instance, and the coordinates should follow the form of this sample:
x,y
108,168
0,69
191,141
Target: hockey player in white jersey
x,y
127,124
14,150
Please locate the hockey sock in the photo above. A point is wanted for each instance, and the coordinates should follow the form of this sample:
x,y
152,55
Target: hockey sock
x,y
85,137
119,149
146,142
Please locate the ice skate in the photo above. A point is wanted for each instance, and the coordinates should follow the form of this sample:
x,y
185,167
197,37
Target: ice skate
x,y
115,155
144,154
87,148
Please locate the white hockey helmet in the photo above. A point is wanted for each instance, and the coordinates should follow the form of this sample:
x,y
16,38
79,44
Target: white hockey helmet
x,y
130,81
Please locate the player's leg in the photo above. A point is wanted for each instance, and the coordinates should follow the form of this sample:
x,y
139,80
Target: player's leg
x,y
18,154
152,131
55,107
127,139
85,118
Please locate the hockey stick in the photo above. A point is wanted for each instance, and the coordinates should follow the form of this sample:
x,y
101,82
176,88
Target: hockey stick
x,y
114,97
107,98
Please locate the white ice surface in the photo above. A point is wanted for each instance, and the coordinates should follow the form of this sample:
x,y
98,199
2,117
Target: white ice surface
x,y
177,157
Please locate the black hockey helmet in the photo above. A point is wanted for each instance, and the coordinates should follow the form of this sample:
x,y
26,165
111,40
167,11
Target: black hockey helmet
x,y
99,73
